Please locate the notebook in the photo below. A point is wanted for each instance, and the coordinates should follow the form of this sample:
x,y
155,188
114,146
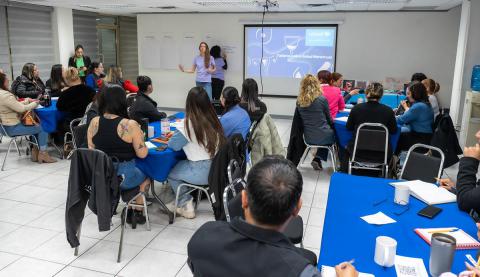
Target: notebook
x,y
464,240
328,271
428,192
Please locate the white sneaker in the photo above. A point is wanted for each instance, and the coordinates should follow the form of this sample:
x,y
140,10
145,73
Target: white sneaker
x,y
187,210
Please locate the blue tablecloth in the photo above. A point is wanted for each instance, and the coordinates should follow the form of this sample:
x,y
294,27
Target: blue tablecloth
x,y
157,164
344,135
391,100
49,117
346,236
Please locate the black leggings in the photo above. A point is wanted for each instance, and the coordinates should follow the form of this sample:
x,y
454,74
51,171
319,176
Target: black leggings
x,y
217,87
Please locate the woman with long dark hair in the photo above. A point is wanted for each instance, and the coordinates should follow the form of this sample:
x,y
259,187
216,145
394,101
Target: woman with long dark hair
x,y
80,62
250,102
235,120
119,137
56,83
204,65
96,72
29,84
200,136
218,77
11,110
417,121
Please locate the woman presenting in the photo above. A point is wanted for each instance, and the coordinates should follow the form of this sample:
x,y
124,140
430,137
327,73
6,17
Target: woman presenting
x,y
204,64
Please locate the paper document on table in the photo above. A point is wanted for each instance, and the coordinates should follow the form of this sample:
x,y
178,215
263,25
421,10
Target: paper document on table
x,y
39,107
428,192
342,118
410,267
378,219
150,145
329,271
347,110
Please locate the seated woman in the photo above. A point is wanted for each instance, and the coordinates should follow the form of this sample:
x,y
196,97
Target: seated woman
x,y
331,93
235,120
10,112
417,121
369,112
200,136
56,84
115,76
75,99
315,114
431,87
95,73
250,102
113,133
29,84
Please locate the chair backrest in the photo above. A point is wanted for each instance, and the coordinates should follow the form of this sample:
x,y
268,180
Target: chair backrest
x,y
372,137
79,134
232,199
248,139
423,166
234,171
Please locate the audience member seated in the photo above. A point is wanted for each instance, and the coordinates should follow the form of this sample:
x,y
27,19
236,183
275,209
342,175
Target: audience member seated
x,y
122,139
418,77
56,84
73,100
331,93
144,106
467,187
417,121
29,84
272,198
200,136
80,62
431,87
250,102
10,112
115,76
95,74
315,114
235,120
369,112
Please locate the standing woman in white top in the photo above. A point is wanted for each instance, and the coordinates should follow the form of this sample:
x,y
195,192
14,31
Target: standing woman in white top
x,y
431,87
200,137
204,64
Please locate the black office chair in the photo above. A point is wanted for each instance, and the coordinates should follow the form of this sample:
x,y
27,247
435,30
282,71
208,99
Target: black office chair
x,y
370,138
423,165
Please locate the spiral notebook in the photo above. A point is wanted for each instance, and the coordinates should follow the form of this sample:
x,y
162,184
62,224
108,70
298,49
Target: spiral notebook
x,y
328,271
464,240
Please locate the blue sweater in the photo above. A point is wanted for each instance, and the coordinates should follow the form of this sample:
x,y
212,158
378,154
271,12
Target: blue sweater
x,y
419,118
236,120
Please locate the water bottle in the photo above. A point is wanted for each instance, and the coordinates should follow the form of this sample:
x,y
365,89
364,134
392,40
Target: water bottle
x,y
165,126
476,78
47,99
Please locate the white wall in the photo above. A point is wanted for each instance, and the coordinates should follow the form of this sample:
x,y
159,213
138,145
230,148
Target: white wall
x,y
371,46
473,48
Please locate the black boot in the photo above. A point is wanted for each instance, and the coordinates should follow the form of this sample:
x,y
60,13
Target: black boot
x,y
140,218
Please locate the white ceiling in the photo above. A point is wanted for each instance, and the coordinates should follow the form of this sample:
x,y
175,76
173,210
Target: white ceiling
x,y
155,6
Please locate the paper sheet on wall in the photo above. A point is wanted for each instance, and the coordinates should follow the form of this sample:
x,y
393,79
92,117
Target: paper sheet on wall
x,y
235,62
189,49
211,40
151,52
169,53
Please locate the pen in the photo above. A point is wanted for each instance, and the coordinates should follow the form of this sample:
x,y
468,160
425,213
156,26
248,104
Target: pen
x,y
349,262
443,230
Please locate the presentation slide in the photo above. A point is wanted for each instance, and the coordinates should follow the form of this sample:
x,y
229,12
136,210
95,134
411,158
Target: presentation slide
x,y
289,53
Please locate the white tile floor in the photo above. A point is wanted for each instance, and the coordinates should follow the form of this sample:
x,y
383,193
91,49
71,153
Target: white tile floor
x,y
32,226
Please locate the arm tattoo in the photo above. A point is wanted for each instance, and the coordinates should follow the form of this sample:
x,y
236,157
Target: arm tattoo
x,y
123,129
141,146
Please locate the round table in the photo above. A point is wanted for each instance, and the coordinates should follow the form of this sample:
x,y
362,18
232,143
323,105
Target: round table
x,y
157,164
49,117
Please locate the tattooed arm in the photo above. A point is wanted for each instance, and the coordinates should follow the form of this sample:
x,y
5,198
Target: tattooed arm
x,y
138,143
92,131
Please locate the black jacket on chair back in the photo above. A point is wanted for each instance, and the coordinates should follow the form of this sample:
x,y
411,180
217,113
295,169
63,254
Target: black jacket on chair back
x,y
92,179
445,138
296,145
235,148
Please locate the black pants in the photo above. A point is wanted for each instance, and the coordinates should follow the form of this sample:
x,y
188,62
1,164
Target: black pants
x,y
217,87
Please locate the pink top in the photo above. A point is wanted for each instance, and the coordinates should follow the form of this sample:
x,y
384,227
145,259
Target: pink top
x,y
334,98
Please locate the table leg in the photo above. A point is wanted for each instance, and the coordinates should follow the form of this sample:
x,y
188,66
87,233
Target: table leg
x,y
162,205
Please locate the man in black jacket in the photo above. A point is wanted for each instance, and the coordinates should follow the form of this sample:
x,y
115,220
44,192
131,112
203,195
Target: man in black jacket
x,y
467,187
144,106
256,246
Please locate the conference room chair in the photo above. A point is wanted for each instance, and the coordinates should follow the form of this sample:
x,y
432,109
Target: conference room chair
x,y
32,141
370,138
332,150
68,137
423,162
